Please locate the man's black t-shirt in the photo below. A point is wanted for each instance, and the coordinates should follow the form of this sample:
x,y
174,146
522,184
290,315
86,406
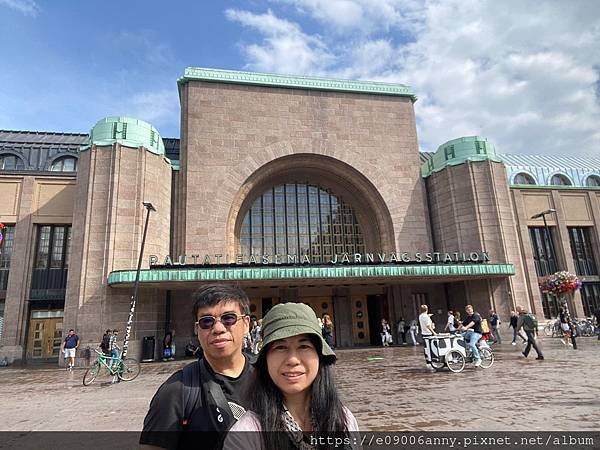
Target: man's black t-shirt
x,y
474,318
163,425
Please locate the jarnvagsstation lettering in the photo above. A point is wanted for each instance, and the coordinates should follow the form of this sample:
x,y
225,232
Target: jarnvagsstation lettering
x,y
344,258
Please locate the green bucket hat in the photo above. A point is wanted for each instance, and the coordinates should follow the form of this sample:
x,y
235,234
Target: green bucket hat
x,y
285,320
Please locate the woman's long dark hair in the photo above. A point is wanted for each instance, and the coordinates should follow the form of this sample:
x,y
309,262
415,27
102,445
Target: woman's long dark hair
x,y
326,407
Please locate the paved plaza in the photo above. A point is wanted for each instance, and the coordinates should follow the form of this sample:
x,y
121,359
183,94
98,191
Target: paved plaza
x,y
387,389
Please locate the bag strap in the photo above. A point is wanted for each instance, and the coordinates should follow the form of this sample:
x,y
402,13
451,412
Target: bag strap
x,y
192,390
223,417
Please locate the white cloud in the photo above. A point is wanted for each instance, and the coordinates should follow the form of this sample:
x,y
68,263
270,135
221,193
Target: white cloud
x,y
159,108
523,75
364,16
27,7
285,48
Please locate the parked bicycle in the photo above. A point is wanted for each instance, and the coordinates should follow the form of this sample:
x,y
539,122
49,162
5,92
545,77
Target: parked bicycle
x,y
552,328
585,327
123,369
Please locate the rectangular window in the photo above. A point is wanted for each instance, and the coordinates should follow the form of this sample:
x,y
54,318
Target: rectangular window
x,y
43,247
480,148
449,152
582,252
590,296
543,254
51,262
1,317
6,247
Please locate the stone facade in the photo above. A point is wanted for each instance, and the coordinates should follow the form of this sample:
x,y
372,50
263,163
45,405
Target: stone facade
x,y
107,233
238,140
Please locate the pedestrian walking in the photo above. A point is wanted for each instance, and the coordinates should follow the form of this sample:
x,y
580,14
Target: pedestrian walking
x,y
401,331
328,330
495,324
426,330
294,391
573,329
412,332
205,398
69,348
564,319
385,333
529,323
514,318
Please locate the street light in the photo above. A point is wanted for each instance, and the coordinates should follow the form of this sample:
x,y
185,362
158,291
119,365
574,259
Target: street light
x,y
543,216
149,207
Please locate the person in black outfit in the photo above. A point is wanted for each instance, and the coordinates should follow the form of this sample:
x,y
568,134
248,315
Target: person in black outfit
x,y
514,318
196,406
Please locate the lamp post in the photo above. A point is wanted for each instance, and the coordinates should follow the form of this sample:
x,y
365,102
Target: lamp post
x,y
149,207
547,228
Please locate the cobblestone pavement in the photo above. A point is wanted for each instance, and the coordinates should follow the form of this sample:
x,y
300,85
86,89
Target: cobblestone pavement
x,y
387,389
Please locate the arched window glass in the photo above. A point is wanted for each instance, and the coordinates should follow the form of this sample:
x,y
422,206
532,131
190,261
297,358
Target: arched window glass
x,y
64,164
524,178
11,162
593,181
300,219
560,180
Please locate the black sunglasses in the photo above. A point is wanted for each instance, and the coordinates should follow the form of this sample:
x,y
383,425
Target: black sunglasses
x,y
228,320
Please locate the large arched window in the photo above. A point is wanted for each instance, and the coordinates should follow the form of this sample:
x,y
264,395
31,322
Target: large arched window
x,y
300,219
64,164
593,181
560,180
523,178
11,162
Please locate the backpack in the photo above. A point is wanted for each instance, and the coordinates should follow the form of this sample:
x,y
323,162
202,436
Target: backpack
x,y
455,324
530,321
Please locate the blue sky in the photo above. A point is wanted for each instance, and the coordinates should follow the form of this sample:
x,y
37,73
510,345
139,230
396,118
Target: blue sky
x,y
524,75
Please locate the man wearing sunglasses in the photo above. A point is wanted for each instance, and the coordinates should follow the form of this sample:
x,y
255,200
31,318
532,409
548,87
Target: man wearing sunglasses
x,y
197,405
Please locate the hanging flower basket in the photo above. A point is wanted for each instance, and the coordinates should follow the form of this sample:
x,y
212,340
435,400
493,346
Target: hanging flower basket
x,y
560,283
2,227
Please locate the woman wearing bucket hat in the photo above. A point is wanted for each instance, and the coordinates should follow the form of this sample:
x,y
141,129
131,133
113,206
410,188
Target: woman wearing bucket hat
x,y
294,391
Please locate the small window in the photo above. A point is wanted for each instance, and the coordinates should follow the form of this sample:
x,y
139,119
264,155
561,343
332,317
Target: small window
x,y
523,178
449,152
64,164
11,162
560,180
593,181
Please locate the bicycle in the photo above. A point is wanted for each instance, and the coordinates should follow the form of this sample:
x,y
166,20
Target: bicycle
x,y
451,351
552,329
123,369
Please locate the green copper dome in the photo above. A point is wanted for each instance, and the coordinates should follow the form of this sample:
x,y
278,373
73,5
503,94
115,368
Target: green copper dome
x,y
128,132
458,151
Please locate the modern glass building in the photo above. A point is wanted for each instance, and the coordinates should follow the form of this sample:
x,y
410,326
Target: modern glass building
x,y
297,189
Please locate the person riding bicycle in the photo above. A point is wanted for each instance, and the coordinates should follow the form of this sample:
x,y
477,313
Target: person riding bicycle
x,y
471,331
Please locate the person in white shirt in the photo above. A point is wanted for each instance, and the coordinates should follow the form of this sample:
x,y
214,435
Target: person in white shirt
x,y
451,326
426,330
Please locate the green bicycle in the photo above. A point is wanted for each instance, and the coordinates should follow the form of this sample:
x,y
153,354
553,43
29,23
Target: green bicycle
x,y
125,369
